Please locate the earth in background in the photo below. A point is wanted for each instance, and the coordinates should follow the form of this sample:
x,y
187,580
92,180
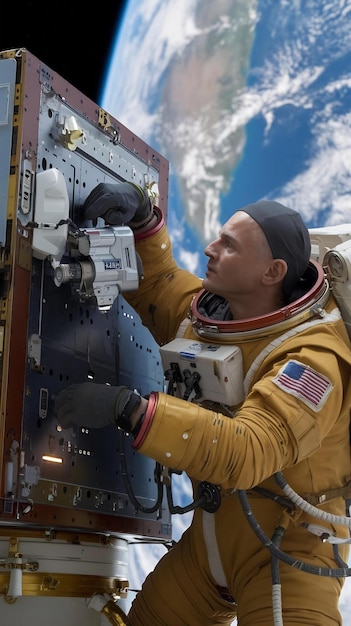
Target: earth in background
x,y
247,99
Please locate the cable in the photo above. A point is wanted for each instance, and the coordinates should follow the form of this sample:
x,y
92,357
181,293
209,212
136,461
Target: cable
x,y
340,572
209,499
276,586
138,506
307,507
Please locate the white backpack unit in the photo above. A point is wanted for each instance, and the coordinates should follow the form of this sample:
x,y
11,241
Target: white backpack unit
x,y
331,247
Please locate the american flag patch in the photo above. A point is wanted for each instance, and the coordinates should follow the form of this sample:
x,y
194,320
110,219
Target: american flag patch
x,y
305,383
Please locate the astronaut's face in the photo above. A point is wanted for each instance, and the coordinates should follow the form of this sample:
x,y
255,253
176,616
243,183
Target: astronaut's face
x,y
237,259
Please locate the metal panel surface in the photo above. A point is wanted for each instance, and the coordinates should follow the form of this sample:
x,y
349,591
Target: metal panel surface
x,y
74,478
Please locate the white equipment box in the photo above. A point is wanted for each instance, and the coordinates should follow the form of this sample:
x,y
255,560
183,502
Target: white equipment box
x,y
204,371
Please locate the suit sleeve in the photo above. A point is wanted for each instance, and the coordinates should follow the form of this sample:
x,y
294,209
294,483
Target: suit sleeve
x,y
165,293
272,430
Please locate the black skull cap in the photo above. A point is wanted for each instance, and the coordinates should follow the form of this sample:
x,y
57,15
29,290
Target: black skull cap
x,y
287,236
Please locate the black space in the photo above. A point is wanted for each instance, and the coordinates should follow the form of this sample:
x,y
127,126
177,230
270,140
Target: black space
x,y
74,39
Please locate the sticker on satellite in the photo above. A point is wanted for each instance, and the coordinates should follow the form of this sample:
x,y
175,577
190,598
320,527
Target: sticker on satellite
x,y
112,264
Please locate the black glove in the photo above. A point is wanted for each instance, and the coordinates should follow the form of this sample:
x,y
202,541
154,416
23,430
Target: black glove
x,y
117,203
95,406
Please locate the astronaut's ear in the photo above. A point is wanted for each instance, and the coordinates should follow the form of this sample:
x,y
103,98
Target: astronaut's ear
x,y
275,272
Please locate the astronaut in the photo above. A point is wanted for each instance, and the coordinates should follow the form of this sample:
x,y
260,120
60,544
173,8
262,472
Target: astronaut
x,y
263,293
